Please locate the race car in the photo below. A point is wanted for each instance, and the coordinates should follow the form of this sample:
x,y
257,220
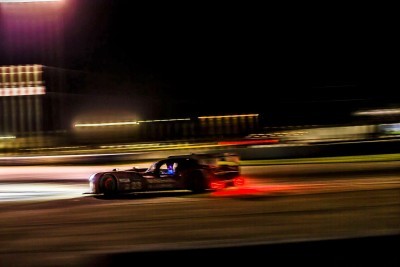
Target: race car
x,y
195,172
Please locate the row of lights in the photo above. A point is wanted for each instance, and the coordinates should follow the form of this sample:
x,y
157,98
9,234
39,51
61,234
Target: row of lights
x,y
124,123
21,80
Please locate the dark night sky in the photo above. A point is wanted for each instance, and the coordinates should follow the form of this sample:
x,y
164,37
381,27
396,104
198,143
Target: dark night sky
x,y
183,60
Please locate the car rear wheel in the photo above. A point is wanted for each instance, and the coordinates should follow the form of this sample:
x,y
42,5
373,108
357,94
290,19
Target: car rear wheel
x,y
197,182
108,185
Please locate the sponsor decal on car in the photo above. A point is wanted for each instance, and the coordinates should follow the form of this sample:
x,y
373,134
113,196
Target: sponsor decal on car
x,y
136,185
161,186
159,181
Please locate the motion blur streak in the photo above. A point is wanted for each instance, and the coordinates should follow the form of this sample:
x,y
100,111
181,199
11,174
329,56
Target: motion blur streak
x,y
239,181
40,191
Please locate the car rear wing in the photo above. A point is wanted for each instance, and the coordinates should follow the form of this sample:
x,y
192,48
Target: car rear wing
x,y
221,159
213,159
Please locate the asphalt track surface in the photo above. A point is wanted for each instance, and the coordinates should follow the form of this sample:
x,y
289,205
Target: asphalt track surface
x,y
362,251
311,214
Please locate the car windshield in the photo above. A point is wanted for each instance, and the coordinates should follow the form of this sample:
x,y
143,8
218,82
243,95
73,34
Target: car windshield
x,y
152,167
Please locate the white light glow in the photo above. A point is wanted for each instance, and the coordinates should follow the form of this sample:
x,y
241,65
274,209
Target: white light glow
x,y
122,123
378,112
228,116
27,1
20,91
7,137
106,124
184,119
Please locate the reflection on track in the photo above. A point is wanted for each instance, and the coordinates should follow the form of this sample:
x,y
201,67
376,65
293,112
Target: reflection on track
x,y
36,183
39,191
253,188
53,191
155,197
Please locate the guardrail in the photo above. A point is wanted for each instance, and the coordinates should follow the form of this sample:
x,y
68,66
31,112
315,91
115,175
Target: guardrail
x,y
275,151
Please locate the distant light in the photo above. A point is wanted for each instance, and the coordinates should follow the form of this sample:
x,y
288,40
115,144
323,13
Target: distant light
x,y
20,91
7,137
27,1
378,112
184,119
393,128
228,116
121,123
19,80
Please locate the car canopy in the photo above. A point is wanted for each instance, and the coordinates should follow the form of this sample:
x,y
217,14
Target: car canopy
x,y
213,159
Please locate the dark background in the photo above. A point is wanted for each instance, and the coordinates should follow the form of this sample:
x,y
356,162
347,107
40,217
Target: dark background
x,y
292,64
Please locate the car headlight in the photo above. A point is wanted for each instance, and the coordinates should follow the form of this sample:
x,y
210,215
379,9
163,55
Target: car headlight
x,y
91,178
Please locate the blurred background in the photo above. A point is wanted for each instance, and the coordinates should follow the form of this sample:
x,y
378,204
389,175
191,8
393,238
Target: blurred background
x,y
94,73
87,86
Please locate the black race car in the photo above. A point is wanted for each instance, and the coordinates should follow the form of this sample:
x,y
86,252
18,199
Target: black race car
x,y
195,172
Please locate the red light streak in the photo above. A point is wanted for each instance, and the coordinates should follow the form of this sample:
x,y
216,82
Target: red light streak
x,y
238,181
217,185
256,191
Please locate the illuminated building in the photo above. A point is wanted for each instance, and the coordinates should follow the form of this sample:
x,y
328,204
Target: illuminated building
x,y
21,93
30,106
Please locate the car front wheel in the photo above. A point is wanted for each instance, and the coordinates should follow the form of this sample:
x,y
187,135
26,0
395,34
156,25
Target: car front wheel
x,y
108,185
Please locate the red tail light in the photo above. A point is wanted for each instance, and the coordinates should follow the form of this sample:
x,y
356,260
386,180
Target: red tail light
x,y
238,181
217,185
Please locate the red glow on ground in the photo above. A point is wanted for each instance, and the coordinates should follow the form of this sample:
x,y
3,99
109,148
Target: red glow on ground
x,y
254,191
